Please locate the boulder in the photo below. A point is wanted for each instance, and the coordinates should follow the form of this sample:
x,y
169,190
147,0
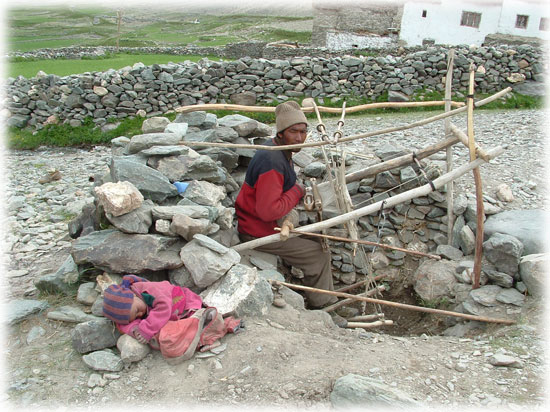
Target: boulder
x,y
64,280
241,291
504,251
151,183
137,221
94,335
435,279
525,225
207,260
118,198
356,391
155,124
141,142
533,273
117,252
19,310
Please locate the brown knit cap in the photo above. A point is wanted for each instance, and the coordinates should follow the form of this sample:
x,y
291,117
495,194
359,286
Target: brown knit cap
x,y
288,114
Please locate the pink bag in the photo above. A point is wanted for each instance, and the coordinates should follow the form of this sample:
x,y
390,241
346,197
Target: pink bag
x,y
180,339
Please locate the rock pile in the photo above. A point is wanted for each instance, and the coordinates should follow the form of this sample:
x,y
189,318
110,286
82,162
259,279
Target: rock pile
x,y
165,211
160,88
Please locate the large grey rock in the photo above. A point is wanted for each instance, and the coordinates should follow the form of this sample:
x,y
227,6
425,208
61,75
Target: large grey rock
x,y
131,350
528,226
70,314
355,391
511,296
486,295
240,290
151,183
435,279
504,251
103,360
533,270
137,221
65,280
190,167
193,211
207,263
118,252
154,124
187,227
243,125
141,142
204,193
94,335
19,310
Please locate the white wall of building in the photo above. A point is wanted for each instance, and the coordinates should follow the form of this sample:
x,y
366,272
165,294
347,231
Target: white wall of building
x,y
510,10
442,21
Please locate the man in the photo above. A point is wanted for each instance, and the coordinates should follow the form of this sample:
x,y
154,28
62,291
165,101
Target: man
x,y
270,193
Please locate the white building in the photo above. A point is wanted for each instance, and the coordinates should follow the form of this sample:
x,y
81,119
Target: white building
x,y
455,22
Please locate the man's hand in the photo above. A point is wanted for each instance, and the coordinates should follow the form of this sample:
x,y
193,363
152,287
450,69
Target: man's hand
x,y
285,229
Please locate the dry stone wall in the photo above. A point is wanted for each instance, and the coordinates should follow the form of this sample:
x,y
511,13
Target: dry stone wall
x,y
160,88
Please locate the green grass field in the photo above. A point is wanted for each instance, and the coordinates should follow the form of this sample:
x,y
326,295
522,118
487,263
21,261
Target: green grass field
x,y
34,28
65,67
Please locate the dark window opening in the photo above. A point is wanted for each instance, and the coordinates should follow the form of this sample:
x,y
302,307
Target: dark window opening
x,y
470,19
521,21
424,13
543,25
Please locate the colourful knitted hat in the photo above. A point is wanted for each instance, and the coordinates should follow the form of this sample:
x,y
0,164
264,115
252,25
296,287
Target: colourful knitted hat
x,y
288,114
117,303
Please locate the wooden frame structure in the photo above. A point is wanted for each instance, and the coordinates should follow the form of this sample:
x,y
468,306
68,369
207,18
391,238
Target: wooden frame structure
x,y
453,135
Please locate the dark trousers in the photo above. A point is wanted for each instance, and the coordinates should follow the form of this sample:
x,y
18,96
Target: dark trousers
x,y
308,255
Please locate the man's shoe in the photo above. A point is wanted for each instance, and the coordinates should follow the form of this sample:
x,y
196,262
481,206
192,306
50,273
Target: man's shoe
x,y
339,320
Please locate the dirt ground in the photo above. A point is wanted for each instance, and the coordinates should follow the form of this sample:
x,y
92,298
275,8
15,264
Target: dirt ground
x,y
289,359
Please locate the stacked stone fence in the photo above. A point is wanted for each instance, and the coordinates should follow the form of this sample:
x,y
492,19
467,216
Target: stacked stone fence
x,y
161,88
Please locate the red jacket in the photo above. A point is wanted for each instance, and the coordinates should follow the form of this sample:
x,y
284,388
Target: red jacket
x,y
269,192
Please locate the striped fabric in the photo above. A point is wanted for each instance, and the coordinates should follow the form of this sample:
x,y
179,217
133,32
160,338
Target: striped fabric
x,y
117,303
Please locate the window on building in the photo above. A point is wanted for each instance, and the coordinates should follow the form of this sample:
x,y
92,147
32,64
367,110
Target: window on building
x,y
543,25
521,21
424,13
470,19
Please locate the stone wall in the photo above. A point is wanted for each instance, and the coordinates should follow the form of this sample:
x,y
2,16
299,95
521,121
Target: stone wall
x,y
160,88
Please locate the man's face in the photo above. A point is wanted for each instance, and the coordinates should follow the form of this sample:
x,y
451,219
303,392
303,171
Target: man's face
x,y
295,134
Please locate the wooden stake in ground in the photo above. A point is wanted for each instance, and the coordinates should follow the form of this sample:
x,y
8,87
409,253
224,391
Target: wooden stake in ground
x,y
480,213
449,150
395,304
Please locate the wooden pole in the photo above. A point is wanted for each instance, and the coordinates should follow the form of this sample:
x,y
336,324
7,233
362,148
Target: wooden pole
x,y
369,325
464,139
449,150
399,161
361,283
343,302
375,207
365,318
480,213
349,138
311,109
395,304
364,242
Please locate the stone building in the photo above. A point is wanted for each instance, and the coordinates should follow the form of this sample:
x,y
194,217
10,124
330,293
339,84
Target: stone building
x,y
344,24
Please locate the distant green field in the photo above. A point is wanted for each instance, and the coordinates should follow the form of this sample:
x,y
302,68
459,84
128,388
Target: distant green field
x,y
35,28
64,67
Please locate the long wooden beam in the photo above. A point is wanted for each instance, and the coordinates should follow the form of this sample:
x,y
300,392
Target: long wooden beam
x,y
353,137
311,109
395,304
375,207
